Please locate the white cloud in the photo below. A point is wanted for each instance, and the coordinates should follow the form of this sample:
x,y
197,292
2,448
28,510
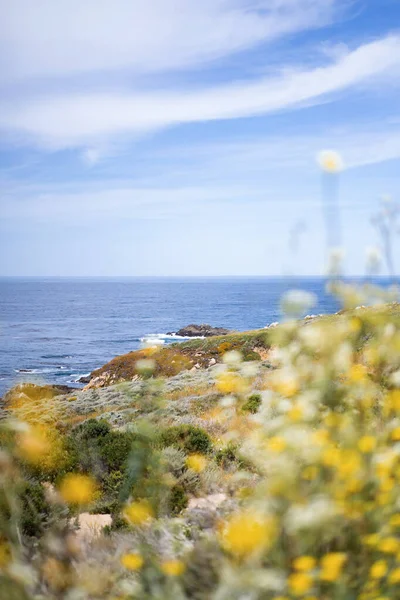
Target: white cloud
x,y
82,120
55,38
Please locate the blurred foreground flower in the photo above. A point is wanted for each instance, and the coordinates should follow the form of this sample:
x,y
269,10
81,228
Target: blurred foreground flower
x,y
173,568
138,512
196,462
330,161
77,489
132,561
245,534
295,303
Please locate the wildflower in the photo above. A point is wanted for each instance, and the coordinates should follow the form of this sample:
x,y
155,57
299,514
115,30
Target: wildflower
x,y
196,462
138,512
5,554
378,569
230,383
394,576
132,561
145,367
34,445
276,444
233,358
297,302
330,161
389,545
245,533
332,565
295,414
358,373
392,400
367,444
77,489
396,434
300,583
304,563
173,568
395,521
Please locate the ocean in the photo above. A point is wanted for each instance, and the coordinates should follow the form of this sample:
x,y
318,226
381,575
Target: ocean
x,y
54,330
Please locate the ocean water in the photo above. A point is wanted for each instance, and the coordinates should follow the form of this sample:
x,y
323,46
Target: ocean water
x,y
55,330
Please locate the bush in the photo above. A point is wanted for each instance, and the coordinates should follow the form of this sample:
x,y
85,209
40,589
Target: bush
x,y
35,510
252,404
187,437
93,429
178,499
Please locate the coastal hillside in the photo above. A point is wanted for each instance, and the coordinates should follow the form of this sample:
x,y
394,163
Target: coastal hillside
x,y
263,461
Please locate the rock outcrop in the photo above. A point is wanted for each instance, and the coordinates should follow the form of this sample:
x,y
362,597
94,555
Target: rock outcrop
x,y
203,330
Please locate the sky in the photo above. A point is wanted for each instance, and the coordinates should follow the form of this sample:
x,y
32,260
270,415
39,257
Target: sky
x,y
179,137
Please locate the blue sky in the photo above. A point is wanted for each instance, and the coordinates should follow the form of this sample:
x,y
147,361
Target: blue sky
x,y
178,137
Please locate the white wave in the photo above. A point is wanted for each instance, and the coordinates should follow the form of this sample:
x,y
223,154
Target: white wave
x,y
34,371
161,338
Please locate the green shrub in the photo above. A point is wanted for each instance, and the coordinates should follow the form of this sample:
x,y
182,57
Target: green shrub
x,y
203,568
114,449
226,456
187,437
92,429
178,499
252,404
35,510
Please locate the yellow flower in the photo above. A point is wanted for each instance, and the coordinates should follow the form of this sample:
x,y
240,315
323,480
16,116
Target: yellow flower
x,y
389,545
331,457
138,512
392,400
396,434
230,383
304,563
77,489
358,374
367,444
371,540
330,161
331,565
310,473
276,444
395,521
378,569
132,561
196,462
173,568
349,464
394,576
295,414
299,583
286,387
246,533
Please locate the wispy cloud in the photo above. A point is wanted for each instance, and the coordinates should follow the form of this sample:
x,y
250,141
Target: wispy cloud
x,y
59,38
81,120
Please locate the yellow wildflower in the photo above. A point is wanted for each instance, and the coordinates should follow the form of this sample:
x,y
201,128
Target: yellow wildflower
x,y
295,414
396,434
77,489
173,568
378,569
299,583
132,561
392,400
367,444
331,565
330,161
331,457
304,563
246,533
394,576
389,545
371,540
231,383
34,445
276,444
138,512
196,462
358,373
395,520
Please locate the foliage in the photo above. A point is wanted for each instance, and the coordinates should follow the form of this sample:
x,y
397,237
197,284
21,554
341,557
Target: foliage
x,y
187,437
252,403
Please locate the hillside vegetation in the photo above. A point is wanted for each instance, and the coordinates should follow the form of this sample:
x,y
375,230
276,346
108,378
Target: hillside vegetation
x,y
263,464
